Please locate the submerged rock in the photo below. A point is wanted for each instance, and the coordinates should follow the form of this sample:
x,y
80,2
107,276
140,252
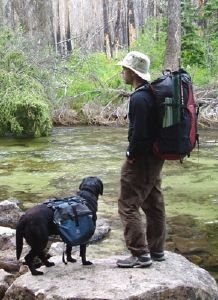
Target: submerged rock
x,y
175,278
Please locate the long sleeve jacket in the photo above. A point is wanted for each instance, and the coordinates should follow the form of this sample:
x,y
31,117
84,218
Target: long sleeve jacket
x,y
143,123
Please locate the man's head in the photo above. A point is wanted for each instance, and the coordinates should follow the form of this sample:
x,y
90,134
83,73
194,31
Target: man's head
x,y
138,63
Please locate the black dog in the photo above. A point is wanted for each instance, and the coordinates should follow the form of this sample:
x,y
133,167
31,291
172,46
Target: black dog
x,y
36,225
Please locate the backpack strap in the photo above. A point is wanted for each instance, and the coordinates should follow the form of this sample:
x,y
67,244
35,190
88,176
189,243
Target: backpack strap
x,y
63,255
76,216
54,203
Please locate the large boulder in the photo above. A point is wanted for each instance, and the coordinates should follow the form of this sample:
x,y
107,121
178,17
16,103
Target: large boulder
x,y
175,278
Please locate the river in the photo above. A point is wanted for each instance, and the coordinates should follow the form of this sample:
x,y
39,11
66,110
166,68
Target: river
x,y
33,170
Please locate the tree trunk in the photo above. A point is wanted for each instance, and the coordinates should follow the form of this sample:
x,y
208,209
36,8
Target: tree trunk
x,y
131,23
88,25
173,48
107,35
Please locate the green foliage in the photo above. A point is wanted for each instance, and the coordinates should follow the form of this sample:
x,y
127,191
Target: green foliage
x,y
200,76
210,29
88,76
152,41
199,35
193,51
24,106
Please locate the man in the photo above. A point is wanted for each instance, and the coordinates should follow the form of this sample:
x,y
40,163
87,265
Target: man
x,y
140,174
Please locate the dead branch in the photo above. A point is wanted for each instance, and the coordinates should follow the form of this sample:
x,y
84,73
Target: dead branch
x,y
115,111
207,99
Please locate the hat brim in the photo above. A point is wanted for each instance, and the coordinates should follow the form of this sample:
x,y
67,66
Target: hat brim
x,y
144,76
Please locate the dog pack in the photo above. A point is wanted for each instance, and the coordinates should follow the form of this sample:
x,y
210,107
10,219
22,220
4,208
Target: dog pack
x,y
177,110
73,220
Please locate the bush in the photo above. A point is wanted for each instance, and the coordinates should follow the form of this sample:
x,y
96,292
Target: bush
x,y
87,77
23,106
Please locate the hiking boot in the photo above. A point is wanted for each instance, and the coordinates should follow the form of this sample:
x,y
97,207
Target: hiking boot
x,y
135,262
158,256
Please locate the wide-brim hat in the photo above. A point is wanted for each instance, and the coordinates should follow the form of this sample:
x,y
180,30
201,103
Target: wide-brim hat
x,y
138,62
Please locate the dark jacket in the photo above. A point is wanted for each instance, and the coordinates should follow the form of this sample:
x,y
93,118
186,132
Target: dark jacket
x,y
143,122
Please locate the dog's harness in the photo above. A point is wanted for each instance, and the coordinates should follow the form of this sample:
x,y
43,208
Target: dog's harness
x,y
54,203
74,220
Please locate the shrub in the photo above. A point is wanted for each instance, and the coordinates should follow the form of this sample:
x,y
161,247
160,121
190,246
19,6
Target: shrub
x,y
23,106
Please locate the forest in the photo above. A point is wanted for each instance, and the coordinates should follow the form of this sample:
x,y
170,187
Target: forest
x,y
58,58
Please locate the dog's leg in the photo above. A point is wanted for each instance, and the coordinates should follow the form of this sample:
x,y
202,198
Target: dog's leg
x,y
44,259
29,261
68,252
83,255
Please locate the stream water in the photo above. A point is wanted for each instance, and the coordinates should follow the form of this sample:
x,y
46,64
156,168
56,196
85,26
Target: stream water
x,y
33,170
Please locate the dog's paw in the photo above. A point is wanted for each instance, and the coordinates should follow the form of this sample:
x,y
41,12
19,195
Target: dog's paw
x,y
36,273
70,259
87,263
38,265
49,264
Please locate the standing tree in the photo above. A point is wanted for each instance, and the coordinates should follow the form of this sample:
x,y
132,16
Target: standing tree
x,y
173,46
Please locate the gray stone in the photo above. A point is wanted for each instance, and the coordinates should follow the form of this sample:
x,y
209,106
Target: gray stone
x,y
10,213
175,278
4,282
7,238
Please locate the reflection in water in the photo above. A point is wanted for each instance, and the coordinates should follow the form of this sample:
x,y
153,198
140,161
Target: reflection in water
x,y
36,169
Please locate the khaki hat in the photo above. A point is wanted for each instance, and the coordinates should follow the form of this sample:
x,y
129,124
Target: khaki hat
x,y
138,62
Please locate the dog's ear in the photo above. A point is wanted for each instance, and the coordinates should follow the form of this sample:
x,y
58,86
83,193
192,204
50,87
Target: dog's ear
x,y
81,184
101,187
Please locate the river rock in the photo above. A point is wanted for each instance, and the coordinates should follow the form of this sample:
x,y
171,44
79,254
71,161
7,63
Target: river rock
x,y
10,213
7,238
175,278
188,246
4,282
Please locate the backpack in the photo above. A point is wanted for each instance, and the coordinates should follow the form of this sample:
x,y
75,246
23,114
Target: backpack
x,y
177,112
73,219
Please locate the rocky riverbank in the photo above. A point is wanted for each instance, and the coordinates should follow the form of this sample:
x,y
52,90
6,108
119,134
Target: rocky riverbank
x,y
175,278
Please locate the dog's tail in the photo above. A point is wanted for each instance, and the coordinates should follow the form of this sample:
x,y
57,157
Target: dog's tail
x,y
19,237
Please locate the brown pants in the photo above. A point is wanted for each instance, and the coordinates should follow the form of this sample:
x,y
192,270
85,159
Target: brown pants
x,y
141,188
